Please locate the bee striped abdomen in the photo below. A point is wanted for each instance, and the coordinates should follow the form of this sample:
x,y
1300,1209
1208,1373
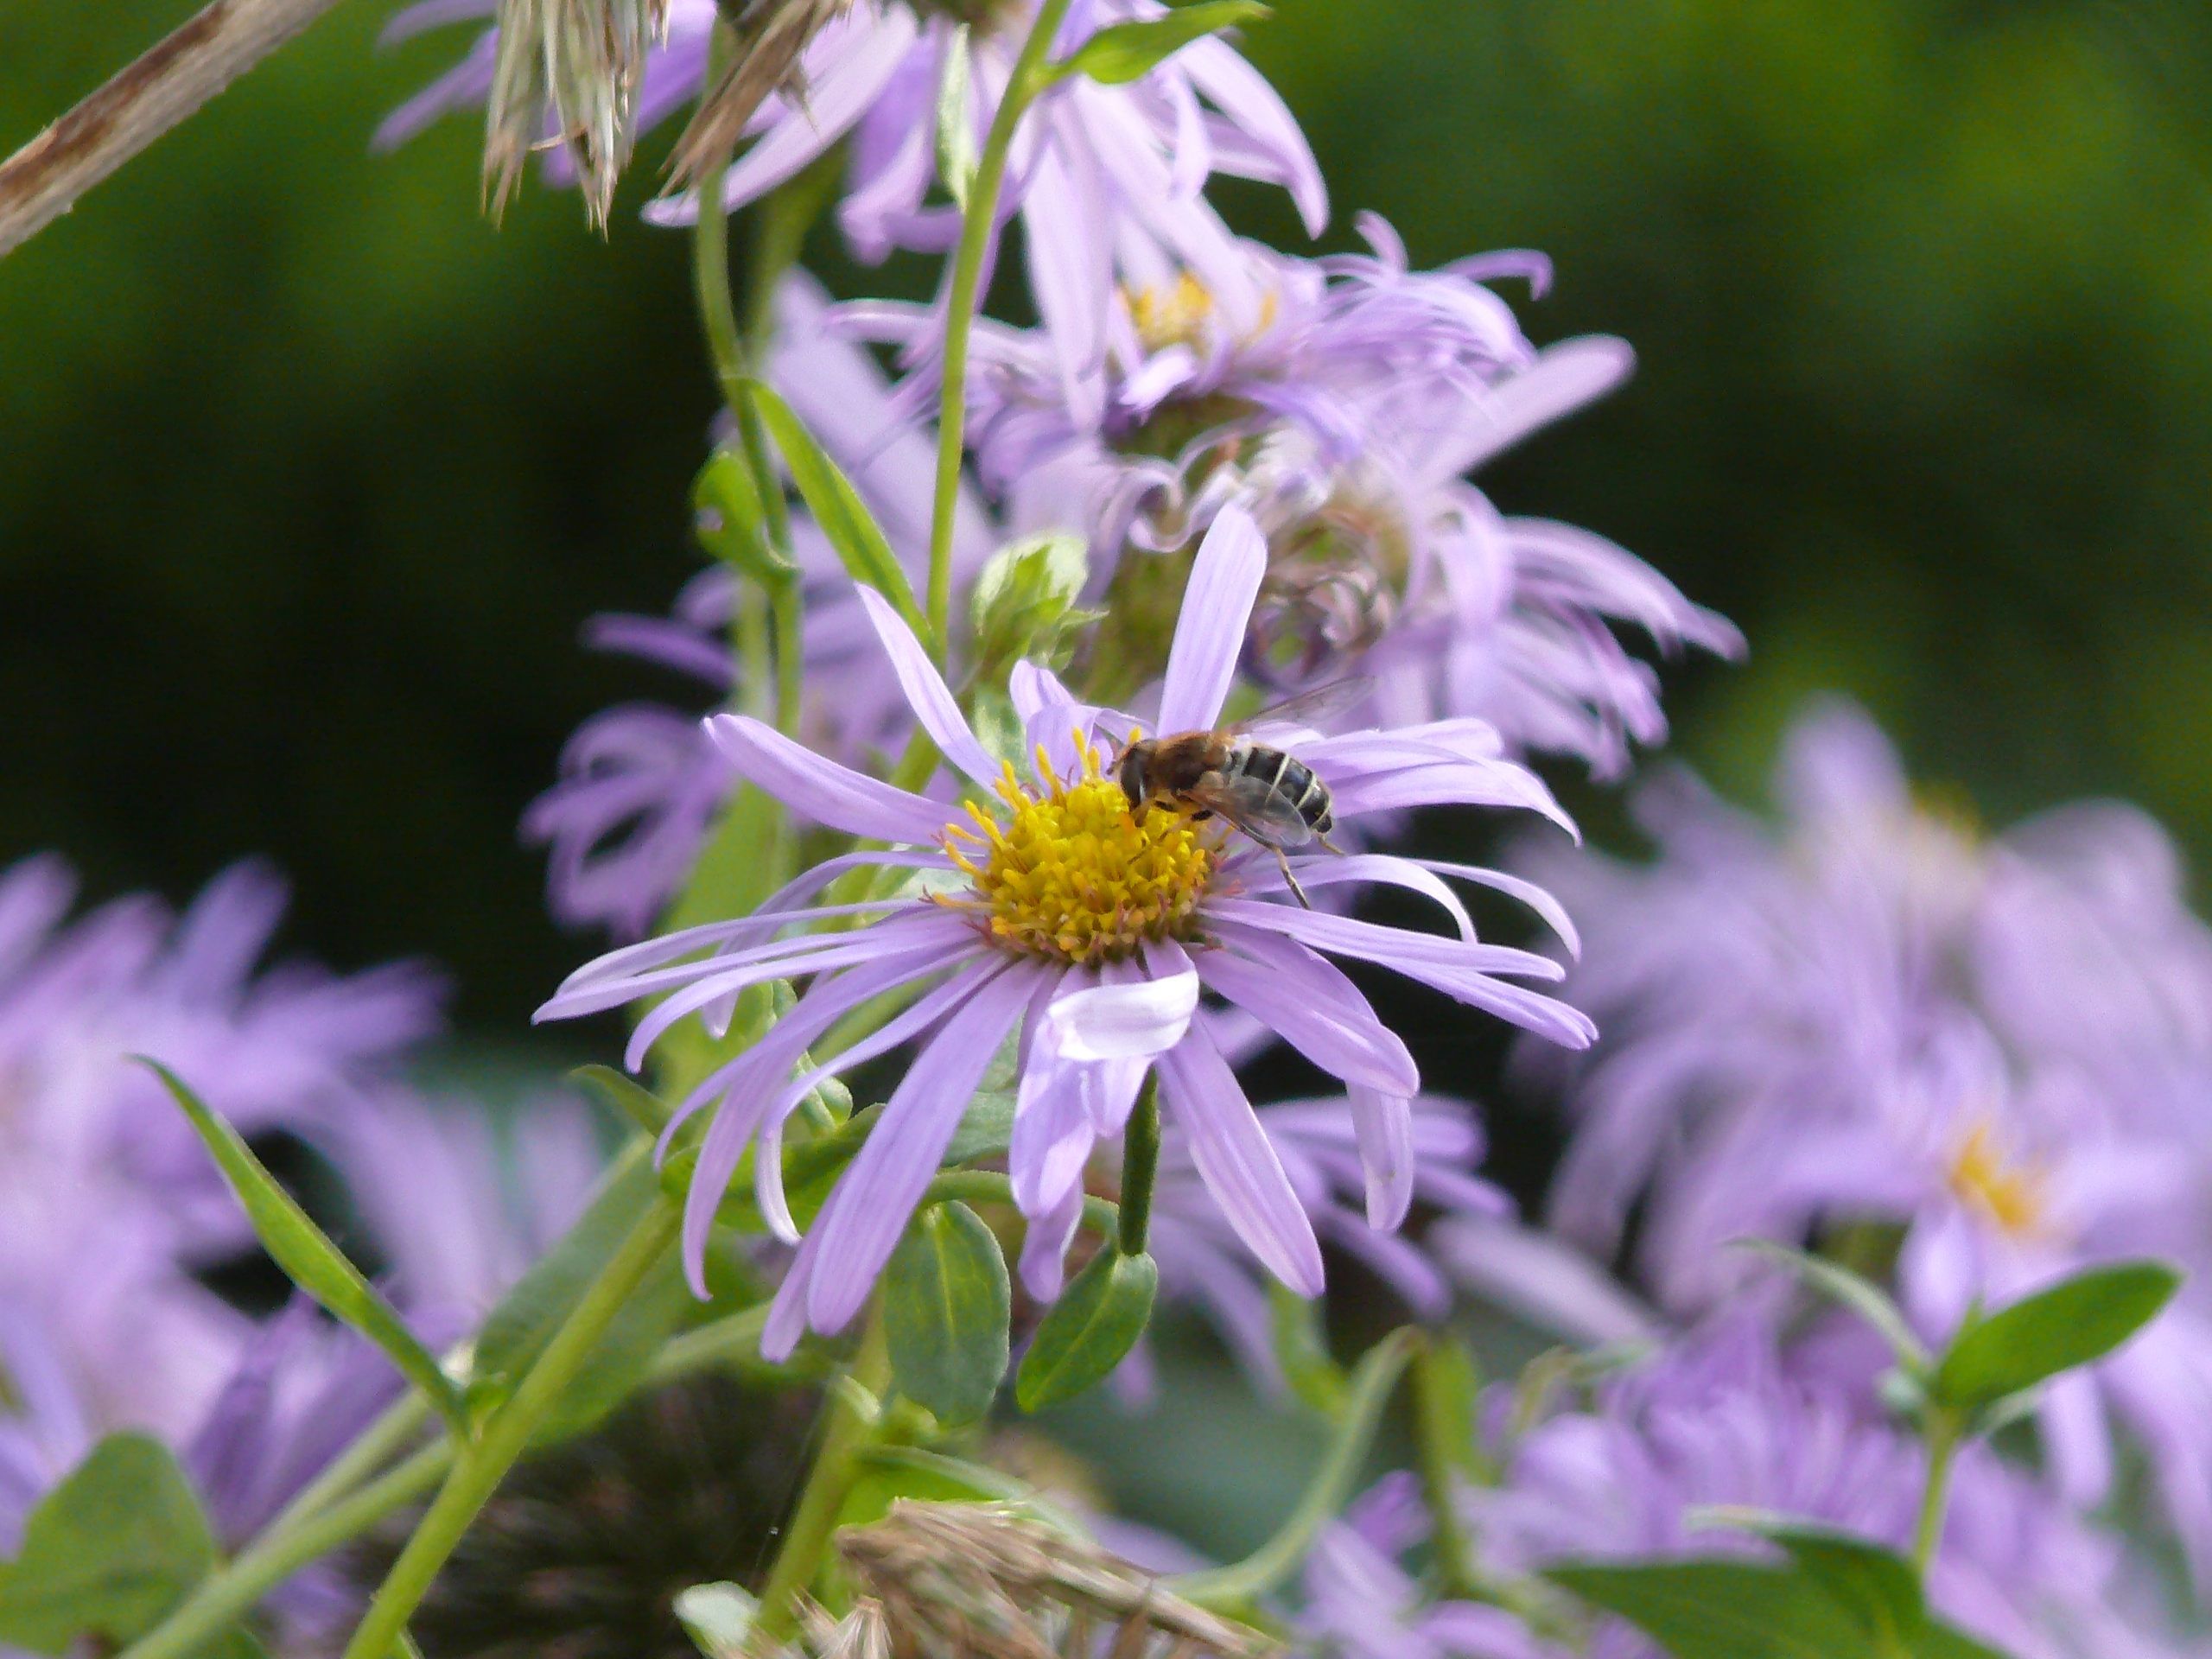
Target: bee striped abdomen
x,y
1296,779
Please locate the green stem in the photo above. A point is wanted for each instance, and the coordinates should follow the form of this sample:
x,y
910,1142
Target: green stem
x,y
380,1442
1226,1589
482,1467
1941,1430
222,1600
807,1540
1442,1439
1032,74
1140,1164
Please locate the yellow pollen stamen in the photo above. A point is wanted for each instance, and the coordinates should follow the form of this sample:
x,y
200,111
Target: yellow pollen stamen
x,y
2011,1195
1073,872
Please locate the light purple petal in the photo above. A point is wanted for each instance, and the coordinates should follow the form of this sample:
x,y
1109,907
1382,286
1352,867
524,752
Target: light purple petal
x,y
927,694
1232,562
862,1222
1384,1124
1239,1163
822,790
1312,1006
1120,1022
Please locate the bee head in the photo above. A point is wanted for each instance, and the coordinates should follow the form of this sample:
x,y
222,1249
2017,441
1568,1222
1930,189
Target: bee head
x,y
1136,762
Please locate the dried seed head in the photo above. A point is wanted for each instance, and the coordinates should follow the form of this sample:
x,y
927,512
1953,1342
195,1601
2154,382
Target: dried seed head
x,y
990,1581
770,35
567,74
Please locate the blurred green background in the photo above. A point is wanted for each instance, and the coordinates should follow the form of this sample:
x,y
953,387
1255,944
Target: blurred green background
x,y
309,474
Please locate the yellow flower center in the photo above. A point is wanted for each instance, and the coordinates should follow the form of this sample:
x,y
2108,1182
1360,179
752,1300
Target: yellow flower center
x,y
1075,874
2009,1193
1174,313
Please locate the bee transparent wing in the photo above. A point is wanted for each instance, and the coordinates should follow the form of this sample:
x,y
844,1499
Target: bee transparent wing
x,y
1257,809
1310,707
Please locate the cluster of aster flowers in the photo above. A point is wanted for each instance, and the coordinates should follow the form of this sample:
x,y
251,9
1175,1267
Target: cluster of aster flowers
x,y
1063,690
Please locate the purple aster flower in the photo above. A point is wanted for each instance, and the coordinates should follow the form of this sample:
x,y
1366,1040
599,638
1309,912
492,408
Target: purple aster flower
x,y
1084,930
287,1048
1346,418
1861,1020
1203,1261
108,1202
1726,1420
1103,178
641,784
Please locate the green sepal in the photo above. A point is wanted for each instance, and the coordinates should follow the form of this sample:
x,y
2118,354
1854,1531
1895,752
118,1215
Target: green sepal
x,y
1127,52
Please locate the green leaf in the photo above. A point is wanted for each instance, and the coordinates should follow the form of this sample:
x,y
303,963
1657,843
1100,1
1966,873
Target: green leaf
x,y
307,1257
1127,51
946,1305
1839,1598
1862,1296
1090,1330
625,1095
1301,1350
1723,1608
1447,1400
986,1131
2073,1323
107,1552
956,121
731,523
838,508
1878,1586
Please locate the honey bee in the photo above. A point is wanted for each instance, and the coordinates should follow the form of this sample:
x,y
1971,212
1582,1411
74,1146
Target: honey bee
x,y
1262,791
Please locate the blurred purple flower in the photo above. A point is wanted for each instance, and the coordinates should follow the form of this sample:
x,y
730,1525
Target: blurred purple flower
x,y
1723,1419
108,1201
1063,924
1202,1262
1346,418
1106,179
1866,1018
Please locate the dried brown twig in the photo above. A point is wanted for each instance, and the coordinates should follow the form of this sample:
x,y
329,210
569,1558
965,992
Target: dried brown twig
x,y
992,1581
219,43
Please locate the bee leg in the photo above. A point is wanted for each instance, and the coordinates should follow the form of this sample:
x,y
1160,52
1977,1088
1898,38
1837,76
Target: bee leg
x,y
1330,846
1296,891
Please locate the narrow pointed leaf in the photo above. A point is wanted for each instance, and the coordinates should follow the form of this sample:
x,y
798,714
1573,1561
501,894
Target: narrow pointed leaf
x,y
1861,1295
838,508
625,1095
1127,52
731,523
947,1302
1089,1330
2075,1322
307,1256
